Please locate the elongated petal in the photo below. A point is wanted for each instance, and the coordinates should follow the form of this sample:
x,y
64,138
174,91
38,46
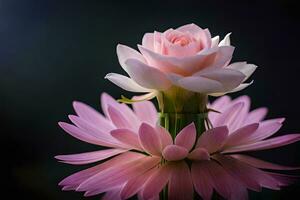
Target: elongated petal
x,y
125,83
82,135
174,153
156,182
213,139
135,184
110,178
256,115
266,144
127,137
92,116
202,180
186,137
119,120
266,129
257,163
124,53
180,183
147,76
146,112
74,180
89,157
149,139
241,135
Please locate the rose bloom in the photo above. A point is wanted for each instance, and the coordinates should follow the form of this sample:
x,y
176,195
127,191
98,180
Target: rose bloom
x,y
186,57
142,158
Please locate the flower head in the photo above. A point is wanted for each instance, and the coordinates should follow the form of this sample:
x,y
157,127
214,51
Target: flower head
x,y
142,157
186,57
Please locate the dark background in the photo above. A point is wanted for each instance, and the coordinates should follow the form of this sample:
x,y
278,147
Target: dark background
x,y
53,52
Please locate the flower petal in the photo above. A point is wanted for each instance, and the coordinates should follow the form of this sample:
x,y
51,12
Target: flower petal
x,y
256,115
125,83
186,137
213,139
243,67
124,53
174,153
200,84
257,163
147,76
149,139
180,185
165,136
148,41
156,182
266,144
146,112
89,157
199,154
226,40
127,137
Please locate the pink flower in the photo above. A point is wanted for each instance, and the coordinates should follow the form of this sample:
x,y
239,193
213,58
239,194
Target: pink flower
x,y
186,57
142,157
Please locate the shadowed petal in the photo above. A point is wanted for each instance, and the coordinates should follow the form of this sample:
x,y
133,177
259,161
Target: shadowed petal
x,y
149,139
174,153
199,154
186,137
180,183
213,139
89,157
146,112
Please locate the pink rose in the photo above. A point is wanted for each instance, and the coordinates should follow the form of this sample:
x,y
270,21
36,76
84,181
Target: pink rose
x,y
186,57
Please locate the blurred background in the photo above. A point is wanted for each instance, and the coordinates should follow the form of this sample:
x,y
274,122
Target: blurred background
x,y
55,51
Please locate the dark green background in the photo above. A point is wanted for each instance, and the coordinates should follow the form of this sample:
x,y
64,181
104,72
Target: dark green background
x,y
53,52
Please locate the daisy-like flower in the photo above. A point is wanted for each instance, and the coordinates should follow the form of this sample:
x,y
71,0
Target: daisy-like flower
x,y
142,157
186,57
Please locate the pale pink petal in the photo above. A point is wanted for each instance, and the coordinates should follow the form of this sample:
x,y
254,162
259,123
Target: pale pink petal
x,y
147,76
180,185
186,137
191,28
123,109
146,112
241,135
127,137
223,57
156,182
215,41
256,115
219,105
227,77
246,69
136,184
200,84
213,139
113,194
199,154
91,115
226,40
174,153
73,181
266,129
165,136
266,144
118,175
149,139
148,41
124,53
92,129
125,83
89,157
119,120
82,135
257,163
202,181
229,116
